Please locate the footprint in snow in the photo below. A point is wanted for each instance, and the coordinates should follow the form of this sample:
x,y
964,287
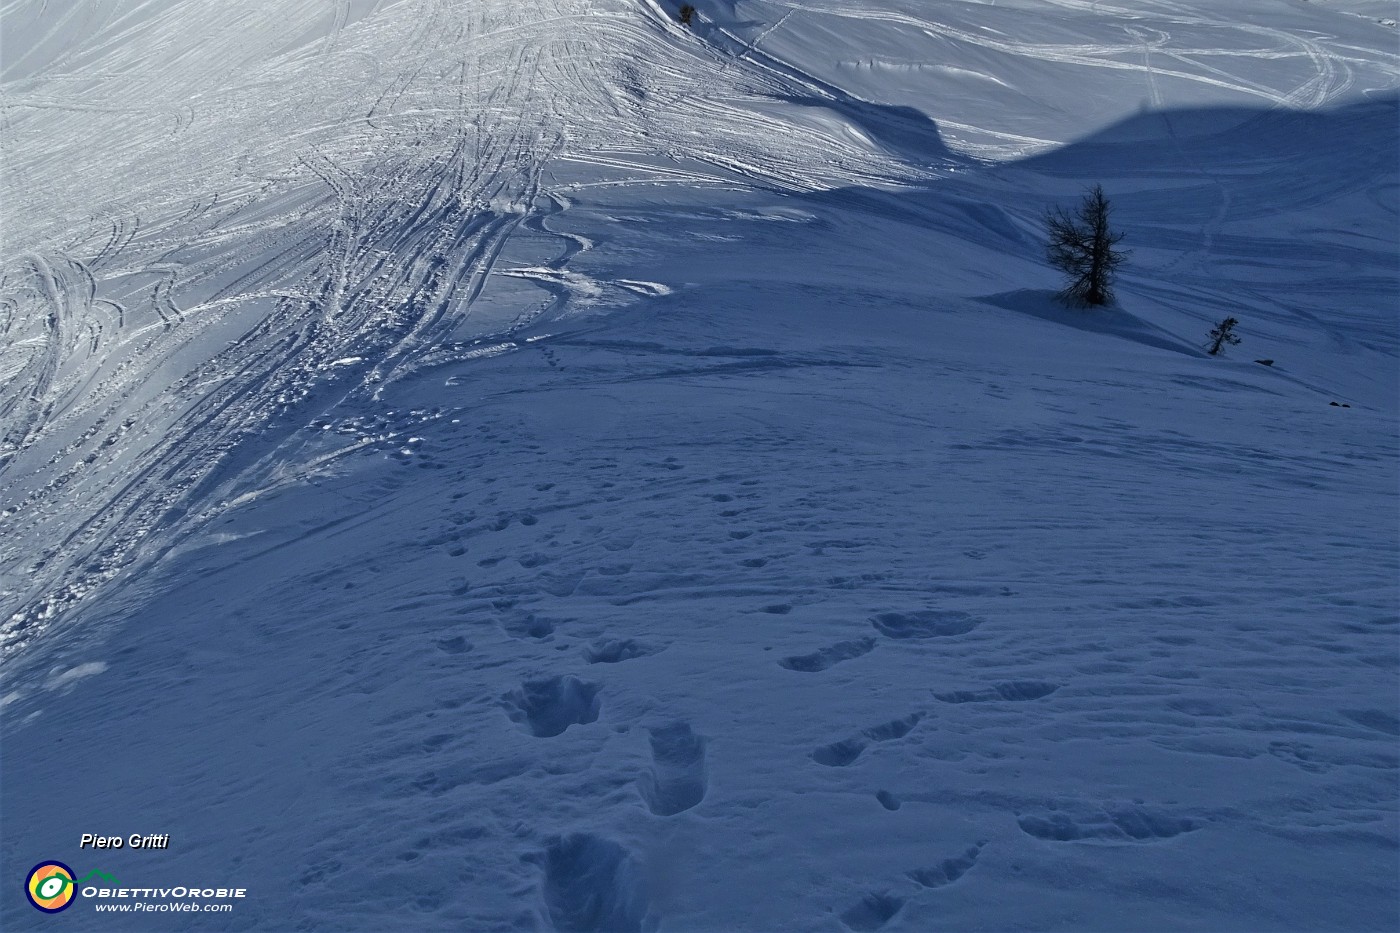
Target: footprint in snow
x,y
872,912
545,708
677,779
827,657
1123,824
924,623
1013,691
613,650
840,754
948,870
528,625
1376,719
593,884
454,645
1299,754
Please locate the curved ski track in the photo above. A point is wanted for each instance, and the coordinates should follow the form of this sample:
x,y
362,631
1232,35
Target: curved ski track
x,y
297,228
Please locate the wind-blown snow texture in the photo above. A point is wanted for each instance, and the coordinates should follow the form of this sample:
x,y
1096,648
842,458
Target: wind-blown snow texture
x,y
526,464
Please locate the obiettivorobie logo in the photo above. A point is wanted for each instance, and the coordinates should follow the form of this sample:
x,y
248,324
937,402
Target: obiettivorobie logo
x,y
51,886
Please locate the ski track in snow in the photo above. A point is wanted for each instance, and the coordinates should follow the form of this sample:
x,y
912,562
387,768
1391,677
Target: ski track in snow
x,y
1323,67
382,234
377,241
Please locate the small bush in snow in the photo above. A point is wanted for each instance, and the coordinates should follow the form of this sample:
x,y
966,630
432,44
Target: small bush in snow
x,y
1223,333
687,12
1081,246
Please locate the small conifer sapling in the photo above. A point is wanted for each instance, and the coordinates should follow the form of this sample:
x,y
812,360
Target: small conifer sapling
x,y
1222,334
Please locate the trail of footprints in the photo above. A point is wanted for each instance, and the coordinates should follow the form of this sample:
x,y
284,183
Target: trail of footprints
x,y
1074,823
589,882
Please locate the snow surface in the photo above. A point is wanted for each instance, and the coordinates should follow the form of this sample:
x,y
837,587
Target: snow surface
x,y
530,465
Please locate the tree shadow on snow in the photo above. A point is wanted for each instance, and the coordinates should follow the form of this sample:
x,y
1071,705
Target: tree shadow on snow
x,y
1276,204
1111,321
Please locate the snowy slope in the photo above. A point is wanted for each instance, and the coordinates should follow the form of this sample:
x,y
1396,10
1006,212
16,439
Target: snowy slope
x,y
530,465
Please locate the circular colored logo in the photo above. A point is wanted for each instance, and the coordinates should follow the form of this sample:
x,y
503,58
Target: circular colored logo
x,y
49,887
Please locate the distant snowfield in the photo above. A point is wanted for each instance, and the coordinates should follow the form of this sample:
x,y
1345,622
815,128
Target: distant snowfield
x,y
514,465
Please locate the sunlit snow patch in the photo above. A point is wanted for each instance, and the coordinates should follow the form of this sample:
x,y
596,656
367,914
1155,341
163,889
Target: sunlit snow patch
x,y
73,674
585,291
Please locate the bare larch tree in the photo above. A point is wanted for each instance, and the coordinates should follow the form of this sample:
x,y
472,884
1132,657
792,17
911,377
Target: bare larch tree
x,y
1081,246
